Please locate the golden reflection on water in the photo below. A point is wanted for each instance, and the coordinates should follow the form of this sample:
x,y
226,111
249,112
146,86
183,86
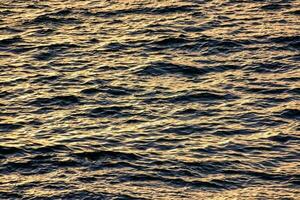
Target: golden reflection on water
x,y
114,49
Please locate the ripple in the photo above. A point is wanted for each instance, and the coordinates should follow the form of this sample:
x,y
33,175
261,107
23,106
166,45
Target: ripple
x,y
97,155
290,113
10,41
8,127
161,68
201,96
149,99
47,19
110,111
56,101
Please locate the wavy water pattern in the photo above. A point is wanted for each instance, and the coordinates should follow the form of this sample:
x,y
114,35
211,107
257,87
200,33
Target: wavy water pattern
x,y
140,99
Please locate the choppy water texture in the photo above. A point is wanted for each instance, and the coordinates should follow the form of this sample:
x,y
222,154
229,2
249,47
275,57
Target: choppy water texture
x,y
183,99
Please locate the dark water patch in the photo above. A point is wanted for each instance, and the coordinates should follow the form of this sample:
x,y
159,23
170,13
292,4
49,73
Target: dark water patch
x,y
171,41
295,45
275,6
163,68
43,110
9,150
20,166
291,79
63,12
106,111
96,82
134,121
209,44
117,165
144,10
255,149
254,120
59,185
234,132
295,12
295,91
49,149
47,52
194,29
263,90
11,30
87,179
186,130
290,114
211,166
171,9
150,30
274,91
221,68
21,49
201,96
187,111
283,138
294,58
80,194
194,112
44,56
47,19
205,150
104,155
6,12
13,82
115,46
66,100
9,127
264,175
179,182
90,91
285,39
117,92
10,195
45,79
66,163
4,94
9,41
39,164
93,41
270,67
60,46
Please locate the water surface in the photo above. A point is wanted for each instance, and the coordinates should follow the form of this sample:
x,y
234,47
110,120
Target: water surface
x,y
181,99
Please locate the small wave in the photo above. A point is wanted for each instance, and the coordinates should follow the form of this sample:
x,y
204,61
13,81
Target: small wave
x,y
282,138
285,39
106,111
56,100
9,41
8,127
295,12
9,150
275,6
90,91
99,155
162,68
270,67
186,130
201,96
290,114
171,41
47,19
